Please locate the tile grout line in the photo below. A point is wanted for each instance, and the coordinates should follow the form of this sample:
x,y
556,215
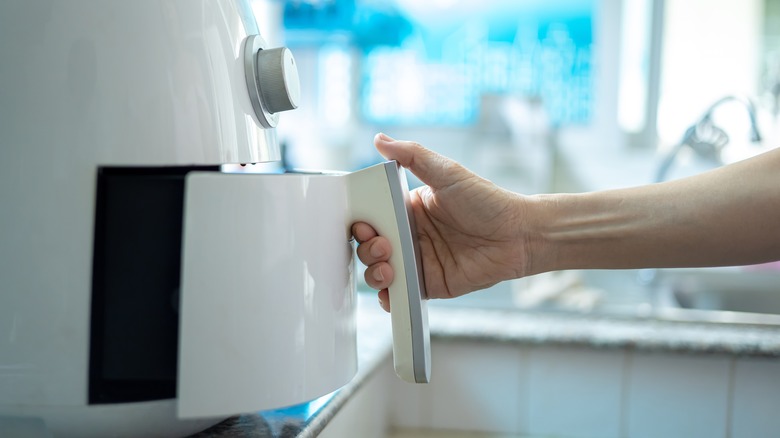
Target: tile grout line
x,y
625,392
730,396
525,390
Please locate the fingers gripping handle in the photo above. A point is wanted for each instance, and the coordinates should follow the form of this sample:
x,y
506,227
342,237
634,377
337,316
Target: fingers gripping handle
x,y
379,196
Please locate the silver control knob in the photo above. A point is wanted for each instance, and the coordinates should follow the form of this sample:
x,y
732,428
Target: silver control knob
x,y
271,80
278,76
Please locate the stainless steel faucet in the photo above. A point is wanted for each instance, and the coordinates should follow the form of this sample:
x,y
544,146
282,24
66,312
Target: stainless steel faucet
x,y
707,139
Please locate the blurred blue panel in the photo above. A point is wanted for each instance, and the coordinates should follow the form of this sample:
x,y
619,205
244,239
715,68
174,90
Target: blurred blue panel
x,y
321,15
425,65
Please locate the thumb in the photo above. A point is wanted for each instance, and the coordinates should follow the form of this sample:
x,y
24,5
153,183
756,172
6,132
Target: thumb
x,y
434,170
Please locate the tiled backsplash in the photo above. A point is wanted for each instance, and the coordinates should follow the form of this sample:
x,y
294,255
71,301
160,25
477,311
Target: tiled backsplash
x,y
590,393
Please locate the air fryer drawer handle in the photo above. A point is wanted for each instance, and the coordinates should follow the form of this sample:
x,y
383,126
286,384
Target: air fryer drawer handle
x,y
379,196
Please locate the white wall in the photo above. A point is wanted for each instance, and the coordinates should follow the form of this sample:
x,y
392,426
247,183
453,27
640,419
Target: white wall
x,y
576,392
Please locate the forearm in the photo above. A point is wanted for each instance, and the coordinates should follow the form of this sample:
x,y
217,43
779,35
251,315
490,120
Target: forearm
x,y
729,216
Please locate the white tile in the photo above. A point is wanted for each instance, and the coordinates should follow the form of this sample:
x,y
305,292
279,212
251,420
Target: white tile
x,y
677,396
365,414
431,433
575,392
476,387
410,403
756,399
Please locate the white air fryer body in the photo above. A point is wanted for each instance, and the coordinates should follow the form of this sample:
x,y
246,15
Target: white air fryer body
x,y
91,92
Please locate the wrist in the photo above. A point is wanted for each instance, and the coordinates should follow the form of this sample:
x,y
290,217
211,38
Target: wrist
x,y
542,250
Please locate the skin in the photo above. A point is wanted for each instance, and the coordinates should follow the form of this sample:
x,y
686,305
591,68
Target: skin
x,y
474,234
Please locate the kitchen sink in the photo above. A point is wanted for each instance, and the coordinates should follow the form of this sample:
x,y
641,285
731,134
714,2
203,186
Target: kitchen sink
x,y
730,295
736,295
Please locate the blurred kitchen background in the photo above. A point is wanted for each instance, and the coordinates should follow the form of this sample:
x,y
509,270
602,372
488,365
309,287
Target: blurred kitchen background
x,y
538,96
550,96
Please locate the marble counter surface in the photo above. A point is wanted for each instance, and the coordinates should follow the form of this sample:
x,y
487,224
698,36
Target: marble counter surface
x,y
652,334
451,324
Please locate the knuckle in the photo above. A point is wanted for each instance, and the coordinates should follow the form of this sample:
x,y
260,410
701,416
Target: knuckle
x,y
362,253
369,278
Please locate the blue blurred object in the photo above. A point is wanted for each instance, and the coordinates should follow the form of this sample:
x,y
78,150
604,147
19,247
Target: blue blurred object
x,y
365,24
429,63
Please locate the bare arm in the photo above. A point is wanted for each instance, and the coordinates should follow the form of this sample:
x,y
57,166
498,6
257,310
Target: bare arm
x,y
729,216
473,234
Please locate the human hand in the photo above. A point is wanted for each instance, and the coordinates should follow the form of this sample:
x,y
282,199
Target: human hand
x,y
471,232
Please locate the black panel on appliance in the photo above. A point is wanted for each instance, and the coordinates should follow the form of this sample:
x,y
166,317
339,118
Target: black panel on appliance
x,y
134,327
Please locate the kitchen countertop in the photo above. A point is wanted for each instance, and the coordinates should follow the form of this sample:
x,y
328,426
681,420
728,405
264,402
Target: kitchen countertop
x,y
604,331
450,323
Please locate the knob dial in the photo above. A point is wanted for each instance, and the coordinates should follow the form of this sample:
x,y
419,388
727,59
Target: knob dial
x,y
277,75
271,80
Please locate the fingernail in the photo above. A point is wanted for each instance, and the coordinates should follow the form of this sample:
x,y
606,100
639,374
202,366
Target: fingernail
x,y
385,137
376,251
378,275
